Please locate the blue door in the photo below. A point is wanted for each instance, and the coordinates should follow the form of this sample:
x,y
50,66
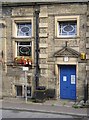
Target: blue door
x,y
68,82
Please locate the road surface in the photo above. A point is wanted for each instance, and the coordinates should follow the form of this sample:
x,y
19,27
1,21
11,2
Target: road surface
x,y
25,114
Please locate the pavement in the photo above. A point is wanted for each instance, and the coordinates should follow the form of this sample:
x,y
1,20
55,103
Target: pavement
x,y
49,106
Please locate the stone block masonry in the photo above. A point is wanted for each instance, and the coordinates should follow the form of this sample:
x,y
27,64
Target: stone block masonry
x,y
50,42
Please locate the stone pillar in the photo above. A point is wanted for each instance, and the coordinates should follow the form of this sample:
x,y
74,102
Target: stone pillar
x,y
43,45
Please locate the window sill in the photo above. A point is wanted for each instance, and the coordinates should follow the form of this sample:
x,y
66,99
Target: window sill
x,y
22,37
62,37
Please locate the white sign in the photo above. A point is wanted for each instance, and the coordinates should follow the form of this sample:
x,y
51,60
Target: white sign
x,y
66,59
64,78
72,79
25,68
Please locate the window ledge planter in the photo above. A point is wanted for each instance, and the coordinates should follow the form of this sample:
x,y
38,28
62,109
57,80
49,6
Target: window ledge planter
x,y
23,60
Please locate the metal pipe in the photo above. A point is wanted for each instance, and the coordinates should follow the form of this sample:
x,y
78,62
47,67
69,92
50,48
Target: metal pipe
x,y
85,92
37,49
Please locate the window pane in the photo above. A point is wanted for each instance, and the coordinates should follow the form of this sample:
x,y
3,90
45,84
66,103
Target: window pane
x,y
24,43
24,29
67,28
24,48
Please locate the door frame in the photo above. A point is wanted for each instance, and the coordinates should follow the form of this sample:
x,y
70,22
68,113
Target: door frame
x,y
57,72
61,83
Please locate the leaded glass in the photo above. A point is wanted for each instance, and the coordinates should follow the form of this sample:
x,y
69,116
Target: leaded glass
x,y
24,29
24,48
67,28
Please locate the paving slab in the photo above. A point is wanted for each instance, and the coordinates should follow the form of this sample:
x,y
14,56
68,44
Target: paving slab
x,y
49,106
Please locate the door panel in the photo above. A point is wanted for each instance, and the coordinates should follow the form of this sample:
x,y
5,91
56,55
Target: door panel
x,y
68,81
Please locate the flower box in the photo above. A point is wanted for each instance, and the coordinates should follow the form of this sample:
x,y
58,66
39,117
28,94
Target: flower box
x,y
23,60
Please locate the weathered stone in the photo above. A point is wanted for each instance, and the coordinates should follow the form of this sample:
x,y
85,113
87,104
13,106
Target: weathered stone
x,y
43,25
43,45
43,55
43,35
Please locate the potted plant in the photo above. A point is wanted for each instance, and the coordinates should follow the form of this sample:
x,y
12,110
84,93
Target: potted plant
x,y
23,60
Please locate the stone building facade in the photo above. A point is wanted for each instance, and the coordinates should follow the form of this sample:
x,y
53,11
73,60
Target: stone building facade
x,y
63,47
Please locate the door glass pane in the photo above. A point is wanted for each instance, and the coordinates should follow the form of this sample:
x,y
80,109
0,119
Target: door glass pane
x,y
72,79
64,78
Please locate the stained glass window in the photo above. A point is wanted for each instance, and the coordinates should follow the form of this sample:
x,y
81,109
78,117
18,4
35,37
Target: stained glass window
x,y
24,29
24,48
67,28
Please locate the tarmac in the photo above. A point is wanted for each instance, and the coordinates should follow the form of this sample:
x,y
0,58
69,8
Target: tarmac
x,y
49,106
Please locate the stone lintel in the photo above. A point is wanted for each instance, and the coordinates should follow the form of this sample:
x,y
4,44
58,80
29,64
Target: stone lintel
x,y
26,15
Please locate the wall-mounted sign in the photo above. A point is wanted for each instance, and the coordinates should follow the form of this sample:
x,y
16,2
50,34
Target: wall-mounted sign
x,y
66,59
83,56
25,69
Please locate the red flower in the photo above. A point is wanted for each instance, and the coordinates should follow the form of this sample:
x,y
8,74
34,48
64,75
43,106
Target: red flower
x,y
23,60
